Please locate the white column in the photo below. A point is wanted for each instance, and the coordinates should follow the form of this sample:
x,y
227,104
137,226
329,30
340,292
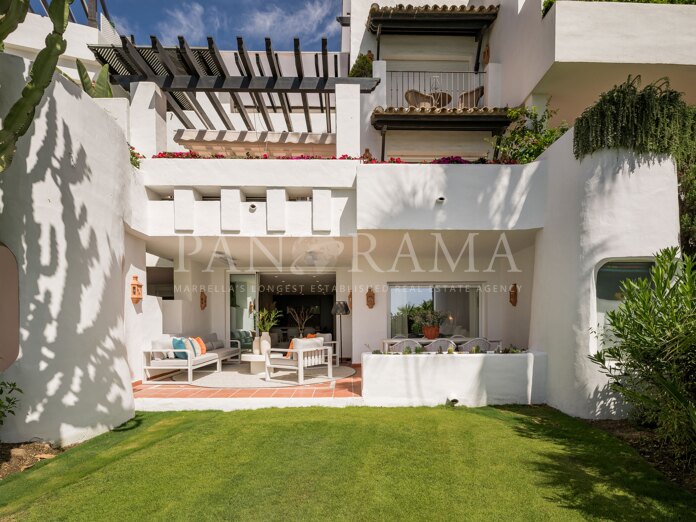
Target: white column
x,y
370,138
185,209
348,120
276,203
492,95
321,210
148,119
230,209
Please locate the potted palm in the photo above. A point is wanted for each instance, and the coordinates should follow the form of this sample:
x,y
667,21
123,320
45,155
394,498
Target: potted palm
x,y
429,322
265,320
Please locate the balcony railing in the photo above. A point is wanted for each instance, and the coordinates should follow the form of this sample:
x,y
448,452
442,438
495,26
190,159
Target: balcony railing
x,y
428,89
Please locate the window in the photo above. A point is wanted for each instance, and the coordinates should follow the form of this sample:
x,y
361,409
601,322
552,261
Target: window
x,y
609,279
460,303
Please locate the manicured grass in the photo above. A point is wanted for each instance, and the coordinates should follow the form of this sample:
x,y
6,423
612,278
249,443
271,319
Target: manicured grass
x,y
512,463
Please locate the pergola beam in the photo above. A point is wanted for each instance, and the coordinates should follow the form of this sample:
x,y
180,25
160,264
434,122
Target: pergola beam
x,y
249,72
139,63
275,72
190,61
236,100
171,69
300,76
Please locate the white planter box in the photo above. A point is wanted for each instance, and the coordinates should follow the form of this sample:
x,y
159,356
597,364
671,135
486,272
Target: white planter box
x,y
474,379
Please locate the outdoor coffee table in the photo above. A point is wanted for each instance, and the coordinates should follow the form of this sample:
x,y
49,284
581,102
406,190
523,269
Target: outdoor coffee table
x,y
257,363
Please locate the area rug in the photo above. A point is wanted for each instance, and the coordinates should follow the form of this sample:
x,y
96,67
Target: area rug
x,y
238,376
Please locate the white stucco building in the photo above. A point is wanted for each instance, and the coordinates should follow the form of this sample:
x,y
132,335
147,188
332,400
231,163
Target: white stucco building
x,y
250,231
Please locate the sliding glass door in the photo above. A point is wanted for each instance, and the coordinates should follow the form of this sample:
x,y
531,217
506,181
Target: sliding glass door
x,y
461,304
243,299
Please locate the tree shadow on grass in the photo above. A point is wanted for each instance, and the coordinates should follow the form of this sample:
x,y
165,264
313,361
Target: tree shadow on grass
x,y
595,474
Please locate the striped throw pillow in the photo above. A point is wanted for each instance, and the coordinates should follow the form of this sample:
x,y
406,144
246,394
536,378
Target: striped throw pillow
x,y
193,346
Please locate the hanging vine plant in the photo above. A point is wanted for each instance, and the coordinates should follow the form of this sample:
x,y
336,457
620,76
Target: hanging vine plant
x,y
651,120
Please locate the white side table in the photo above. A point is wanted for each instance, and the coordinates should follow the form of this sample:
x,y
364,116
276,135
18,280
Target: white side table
x,y
257,363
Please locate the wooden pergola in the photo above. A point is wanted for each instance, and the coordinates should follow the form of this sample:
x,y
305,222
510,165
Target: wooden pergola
x,y
183,71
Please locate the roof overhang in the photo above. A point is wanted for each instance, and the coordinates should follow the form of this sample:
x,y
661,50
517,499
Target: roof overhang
x,y
494,120
443,20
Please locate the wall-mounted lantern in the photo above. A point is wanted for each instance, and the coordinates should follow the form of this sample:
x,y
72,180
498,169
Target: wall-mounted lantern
x,y
513,294
204,300
136,290
370,298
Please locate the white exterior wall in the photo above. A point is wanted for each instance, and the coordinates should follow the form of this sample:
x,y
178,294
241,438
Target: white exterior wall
x,y
63,204
612,205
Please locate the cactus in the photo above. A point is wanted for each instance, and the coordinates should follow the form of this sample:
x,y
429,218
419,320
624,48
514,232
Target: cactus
x,y
96,89
13,13
21,115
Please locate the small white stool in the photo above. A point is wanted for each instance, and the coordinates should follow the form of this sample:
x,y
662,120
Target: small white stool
x,y
257,363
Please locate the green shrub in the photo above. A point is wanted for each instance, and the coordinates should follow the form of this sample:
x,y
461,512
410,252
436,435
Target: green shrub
x,y
528,135
8,403
362,68
652,120
649,351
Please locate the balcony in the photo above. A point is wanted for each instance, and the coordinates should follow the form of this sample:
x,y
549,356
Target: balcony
x,y
433,89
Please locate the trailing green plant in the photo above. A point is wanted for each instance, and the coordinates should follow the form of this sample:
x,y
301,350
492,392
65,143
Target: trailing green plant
x,y
21,114
267,319
528,136
653,120
8,401
362,68
99,88
649,351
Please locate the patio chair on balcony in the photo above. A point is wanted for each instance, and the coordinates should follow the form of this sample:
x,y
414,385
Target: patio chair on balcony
x,y
441,346
419,100
406,343
471,98
483,344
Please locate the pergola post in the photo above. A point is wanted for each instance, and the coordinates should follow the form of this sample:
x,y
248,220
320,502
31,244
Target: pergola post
x,y
148,118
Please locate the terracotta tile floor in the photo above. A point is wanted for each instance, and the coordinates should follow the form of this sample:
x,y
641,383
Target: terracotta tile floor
x,y
348,387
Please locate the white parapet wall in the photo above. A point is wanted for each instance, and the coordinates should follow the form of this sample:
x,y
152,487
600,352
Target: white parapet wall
x,y
473,379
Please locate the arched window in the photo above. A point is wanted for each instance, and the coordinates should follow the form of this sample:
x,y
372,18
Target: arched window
x,y
9,308
609,279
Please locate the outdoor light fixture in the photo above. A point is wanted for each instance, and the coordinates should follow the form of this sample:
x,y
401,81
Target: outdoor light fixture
x,y
513,294
340,308
440,200
252,207
136,290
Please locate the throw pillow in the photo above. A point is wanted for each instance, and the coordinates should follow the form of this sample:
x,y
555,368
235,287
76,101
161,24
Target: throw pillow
x,y
201,344
288,354
193,346
180,345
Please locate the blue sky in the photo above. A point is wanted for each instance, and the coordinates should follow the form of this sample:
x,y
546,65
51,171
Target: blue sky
x,y
282,20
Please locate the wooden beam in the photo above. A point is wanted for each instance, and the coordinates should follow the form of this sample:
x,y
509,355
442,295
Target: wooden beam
x,y
255,85
325,74
194,68
141,65
258,99
172,69
236,100
259,66
317,72
300,74
275,72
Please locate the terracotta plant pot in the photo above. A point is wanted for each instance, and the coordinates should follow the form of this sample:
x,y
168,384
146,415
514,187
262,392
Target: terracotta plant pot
x,y
431,332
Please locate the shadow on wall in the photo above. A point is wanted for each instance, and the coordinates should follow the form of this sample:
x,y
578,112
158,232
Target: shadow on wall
x,y
72,366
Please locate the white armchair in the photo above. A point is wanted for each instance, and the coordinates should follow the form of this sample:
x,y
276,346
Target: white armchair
x,y
305,353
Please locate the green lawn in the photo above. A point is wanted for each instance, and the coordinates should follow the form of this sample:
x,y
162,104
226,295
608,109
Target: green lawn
x,y
512,463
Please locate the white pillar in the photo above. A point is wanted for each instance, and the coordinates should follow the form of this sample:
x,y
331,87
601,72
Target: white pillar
x,y
185,209
492,95
276,203
148,119
321,210
348,120
230,209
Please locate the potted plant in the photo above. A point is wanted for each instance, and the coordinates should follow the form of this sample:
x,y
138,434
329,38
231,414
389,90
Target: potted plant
x,y
265,320
429,322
